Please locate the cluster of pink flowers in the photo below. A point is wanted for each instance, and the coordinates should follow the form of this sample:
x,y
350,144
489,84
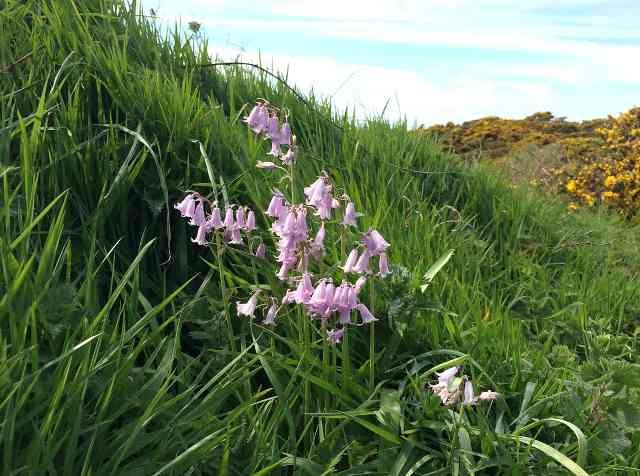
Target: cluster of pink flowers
x,y
234,221
332,304
452,389
263,119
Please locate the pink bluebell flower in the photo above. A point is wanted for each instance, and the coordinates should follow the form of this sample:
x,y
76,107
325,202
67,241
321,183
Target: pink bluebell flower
x,y
215,220
228,218
261,251
352,259
270,319
198,218
187,206
366,315
469,397
285,134
248,308
362,265
317,246
374,242
240,218
383,265
334,336
290,156
350,215
250,223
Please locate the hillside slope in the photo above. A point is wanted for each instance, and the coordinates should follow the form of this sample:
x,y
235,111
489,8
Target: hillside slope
x,y
114,356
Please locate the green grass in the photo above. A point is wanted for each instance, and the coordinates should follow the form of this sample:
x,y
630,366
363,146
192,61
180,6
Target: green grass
x,y
114,357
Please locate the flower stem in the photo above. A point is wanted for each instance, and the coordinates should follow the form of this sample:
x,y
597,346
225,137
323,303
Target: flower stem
x,y
223,291
372,339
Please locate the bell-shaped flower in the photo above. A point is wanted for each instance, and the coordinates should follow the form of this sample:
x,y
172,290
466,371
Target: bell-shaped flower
x,y
360,282
273,128
201,235
285,134
240,223
276,151
374,242
261,251
366,315
305,289
250,223
249,307
228,218
215,220
265,165
289,157
187,206
235,237
317,246
362,265
270,319
350,215
198,217
275,205
383,265
257,118
469,397
334,336
352,259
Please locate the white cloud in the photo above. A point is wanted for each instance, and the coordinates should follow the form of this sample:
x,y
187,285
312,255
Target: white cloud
x,y
367,88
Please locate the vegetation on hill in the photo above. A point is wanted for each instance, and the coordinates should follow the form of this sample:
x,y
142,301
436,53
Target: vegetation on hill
x,y
114,351
591,162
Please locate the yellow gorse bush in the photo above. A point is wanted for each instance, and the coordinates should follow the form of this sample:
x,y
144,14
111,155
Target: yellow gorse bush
x,y
596,161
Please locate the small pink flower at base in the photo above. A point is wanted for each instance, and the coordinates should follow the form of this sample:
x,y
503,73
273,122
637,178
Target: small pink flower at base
x,y
383,265
270,319
469,397
261,251
366,315
187,206
374,242
352,259
488,395
334,336
290,157
350,215
215,220
265,165
249,307
362,266
250,223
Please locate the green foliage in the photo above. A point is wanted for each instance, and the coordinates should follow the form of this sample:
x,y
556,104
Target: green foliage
x,y
113,354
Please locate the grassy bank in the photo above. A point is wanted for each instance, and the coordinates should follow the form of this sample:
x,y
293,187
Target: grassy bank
x,y
113,353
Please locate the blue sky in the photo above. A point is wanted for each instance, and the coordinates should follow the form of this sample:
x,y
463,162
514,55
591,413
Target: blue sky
x,y
436,60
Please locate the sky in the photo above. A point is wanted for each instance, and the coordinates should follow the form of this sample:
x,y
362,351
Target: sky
x,y
434,61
